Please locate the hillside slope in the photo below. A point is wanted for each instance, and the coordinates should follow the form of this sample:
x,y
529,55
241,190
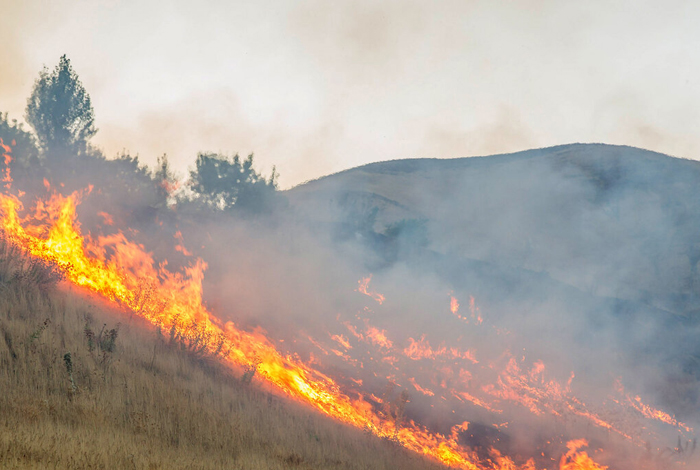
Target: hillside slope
x,y
609,220
87,386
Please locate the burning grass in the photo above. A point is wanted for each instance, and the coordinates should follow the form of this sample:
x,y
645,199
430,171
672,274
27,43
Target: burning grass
x,y
123,273
173,301
133,398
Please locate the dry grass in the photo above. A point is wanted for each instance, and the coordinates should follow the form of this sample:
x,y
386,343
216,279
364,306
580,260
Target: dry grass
x,y
147,404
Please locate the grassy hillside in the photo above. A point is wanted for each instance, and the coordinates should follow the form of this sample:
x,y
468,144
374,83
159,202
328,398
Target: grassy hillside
x,y
86,386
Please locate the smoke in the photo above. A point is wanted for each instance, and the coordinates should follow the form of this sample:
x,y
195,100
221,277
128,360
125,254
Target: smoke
x,y
579,260
216,122
17,75
324,87
542,296
575,271
504,132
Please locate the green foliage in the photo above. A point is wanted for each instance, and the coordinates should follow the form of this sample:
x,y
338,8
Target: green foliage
x,y
124,188
60,112
224,184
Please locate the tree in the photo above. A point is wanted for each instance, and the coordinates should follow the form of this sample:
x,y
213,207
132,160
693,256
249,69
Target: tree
x,y
166,181
60,112
23,146
227,184
24,166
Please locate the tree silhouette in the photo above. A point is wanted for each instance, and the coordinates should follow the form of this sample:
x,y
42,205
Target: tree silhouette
x,y
227,184
60,112
22,143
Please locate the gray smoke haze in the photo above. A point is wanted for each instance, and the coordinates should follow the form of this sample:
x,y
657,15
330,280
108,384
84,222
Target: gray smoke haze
x,y
576,270
583,258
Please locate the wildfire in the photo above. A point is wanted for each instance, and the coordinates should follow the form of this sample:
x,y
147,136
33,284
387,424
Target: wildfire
x,y
173,301
125,273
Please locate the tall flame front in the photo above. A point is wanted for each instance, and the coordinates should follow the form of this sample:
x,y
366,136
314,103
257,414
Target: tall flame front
x,y
125,273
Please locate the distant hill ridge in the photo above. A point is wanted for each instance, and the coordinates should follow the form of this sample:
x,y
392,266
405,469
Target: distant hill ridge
x,y
613,220
581,150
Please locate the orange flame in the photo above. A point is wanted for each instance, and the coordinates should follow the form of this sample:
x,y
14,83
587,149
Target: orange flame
x,y
454,305
575,460
363,285
7,159
173,301
421,349
123,272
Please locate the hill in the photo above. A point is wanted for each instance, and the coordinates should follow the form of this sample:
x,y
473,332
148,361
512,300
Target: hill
x,y
603,237
582,257
88,386
581,213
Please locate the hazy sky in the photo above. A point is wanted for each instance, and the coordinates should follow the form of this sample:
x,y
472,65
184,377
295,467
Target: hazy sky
x,y
315,87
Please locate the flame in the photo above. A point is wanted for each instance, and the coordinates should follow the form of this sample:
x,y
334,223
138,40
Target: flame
x,y
378,336
342,340
123,272
108,220
575,460
474,310
424,391
652,413
173,301
363,285
180,247
454,305
7,159
421,349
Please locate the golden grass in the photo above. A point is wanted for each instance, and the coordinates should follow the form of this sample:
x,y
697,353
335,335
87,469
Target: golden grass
x,y
149,404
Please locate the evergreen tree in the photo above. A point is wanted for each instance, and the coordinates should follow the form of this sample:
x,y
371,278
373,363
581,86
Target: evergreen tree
x,y
60,112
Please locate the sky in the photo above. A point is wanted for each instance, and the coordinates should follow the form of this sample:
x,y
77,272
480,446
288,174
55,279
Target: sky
x,y
314,87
